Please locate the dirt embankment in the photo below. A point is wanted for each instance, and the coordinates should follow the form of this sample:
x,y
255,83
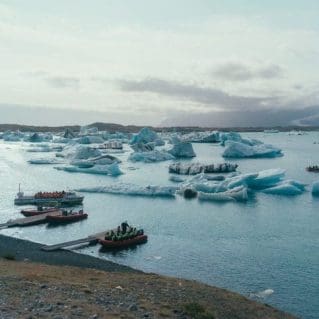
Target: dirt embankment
x,y
64,284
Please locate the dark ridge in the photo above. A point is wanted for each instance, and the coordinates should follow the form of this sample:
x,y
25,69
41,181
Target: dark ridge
x,y
113,127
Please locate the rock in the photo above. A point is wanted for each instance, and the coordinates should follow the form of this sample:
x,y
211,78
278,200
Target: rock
x,y
132,307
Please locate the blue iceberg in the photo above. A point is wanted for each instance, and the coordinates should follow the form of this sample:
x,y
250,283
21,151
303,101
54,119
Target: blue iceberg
x,y
111,170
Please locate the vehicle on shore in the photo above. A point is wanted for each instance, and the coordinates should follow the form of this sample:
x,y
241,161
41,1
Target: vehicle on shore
x,y
66,217
53,198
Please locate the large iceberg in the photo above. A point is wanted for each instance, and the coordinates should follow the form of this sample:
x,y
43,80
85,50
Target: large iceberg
x,y
75,151
44,161
241,150
146,135
90,139
100,160
112,170
288,188
315,188
133,190
152,156
182,149
202,137
196,168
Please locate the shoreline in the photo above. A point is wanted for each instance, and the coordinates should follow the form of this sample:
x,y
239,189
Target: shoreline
x,y
146,294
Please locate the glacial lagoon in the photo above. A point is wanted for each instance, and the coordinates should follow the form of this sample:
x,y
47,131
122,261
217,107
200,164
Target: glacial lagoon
x,y
266,248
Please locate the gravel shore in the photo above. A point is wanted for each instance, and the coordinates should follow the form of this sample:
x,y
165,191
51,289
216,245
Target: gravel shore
x,y
64,284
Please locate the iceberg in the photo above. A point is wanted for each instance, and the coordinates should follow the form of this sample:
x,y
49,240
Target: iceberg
x,y
42,161
182,149
146,135
242,150
196,168
267,178
112,170
75,151
202,137
152,156
133,190
176,179
100,160
315,188
90,139
284,188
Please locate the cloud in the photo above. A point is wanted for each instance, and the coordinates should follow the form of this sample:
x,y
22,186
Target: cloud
x,y
252,118
61,82
233,71
203,95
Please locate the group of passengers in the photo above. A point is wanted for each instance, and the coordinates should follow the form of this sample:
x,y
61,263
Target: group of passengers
x,y
50,194
313,168
123,232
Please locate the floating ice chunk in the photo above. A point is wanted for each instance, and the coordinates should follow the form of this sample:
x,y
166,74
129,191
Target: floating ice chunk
x,y
45,161
86,130
241,150
238,194
90,139
74,151
100,160
146,135
182,149
284,188
141,147
44,148
176,179
315,188
149,157
202,137
267,178
262,294
133,190
112,170
196,168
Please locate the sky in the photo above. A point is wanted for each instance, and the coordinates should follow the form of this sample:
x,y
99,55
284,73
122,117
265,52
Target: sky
x,y
168,62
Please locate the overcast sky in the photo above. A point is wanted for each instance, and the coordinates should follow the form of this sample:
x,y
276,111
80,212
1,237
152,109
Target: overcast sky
x,y
154,62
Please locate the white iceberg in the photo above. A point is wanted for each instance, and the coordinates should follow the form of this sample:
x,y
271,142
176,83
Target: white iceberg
x,y
284,188
43,161
133,190
152,156
242,150
74,151
100,160
202,137
146,135
112,170
90,139
197,168
236,194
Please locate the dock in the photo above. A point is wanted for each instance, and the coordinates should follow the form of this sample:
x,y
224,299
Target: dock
x,y
29,221
91,239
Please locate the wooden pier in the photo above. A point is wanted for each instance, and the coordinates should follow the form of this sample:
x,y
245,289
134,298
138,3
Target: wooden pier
x,y
91,239
29,221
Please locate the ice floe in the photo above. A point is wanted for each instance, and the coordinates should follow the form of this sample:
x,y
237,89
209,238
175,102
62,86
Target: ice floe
x,y
182,149
152,156
196,168
315,188
41,161
202,137
132,190
112,170
146,135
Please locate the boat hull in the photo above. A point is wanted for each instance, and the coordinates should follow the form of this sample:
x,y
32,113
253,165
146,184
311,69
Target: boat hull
x,y
110,244
60,219
30,200
35,212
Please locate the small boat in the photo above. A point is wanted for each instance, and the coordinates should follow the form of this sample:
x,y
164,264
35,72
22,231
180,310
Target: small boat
x,y
66,217
38,211
313,168
111,244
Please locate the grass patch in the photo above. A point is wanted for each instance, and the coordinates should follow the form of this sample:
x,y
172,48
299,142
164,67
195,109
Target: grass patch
x,y
197,311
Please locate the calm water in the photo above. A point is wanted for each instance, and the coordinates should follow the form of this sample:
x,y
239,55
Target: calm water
x,y
270,242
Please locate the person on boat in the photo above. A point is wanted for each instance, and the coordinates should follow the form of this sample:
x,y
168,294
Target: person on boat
x,y
124,227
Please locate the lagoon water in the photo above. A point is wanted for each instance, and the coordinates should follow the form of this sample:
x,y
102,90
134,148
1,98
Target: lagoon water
x,y
270,242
